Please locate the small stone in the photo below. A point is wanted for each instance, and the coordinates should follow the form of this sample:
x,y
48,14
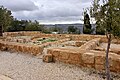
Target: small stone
x,y
4,48
48,58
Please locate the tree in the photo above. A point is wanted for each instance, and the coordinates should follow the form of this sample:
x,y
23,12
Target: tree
x,y
108,16
5,19
72,29
55,29
32,26
46,30
99,28
87,26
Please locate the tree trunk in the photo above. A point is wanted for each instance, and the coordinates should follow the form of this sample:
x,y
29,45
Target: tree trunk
x,y
1,30
107,58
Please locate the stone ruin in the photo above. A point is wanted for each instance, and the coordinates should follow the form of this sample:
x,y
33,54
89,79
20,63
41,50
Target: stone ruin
x,y
81,50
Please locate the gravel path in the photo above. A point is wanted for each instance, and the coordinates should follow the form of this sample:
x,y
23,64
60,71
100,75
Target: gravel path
x,y
27,67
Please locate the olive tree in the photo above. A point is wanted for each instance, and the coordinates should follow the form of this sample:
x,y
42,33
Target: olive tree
x,y
107,16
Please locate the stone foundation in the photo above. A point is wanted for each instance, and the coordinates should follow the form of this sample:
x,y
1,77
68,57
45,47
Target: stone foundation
x,y
92,59
86,57
83,55
18,47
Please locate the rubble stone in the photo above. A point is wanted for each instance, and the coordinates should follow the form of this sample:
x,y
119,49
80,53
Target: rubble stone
x,y
48,58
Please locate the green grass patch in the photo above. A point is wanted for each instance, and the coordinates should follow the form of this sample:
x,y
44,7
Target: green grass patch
x,y
44,40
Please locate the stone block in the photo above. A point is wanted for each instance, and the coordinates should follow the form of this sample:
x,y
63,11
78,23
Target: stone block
x,y
4,48
55,53
114,64
75,56
15,47
20,48
88,58
73,62
115,50
99,59
24,49
91,44
34,50
49,51
64,55
41,50
48,58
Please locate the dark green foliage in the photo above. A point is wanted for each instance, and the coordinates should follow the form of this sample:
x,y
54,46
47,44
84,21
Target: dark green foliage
x,y
100,29
44,40
5,18
72,29
8,23
87,26
107,16
55,29
32,26
46,30
16,25
25,25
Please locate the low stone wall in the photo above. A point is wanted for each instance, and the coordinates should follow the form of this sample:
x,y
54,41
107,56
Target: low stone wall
x,y
72,56
18,47
22,33
82,56
26,48
35,34
99,61
90,59
92,44
19,40
81,37
85,56
85,47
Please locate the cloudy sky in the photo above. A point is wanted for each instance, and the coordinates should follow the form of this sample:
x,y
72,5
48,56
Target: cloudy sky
x,y
47,11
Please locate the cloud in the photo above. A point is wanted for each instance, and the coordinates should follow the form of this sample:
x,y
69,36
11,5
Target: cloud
x,y
47,10
86,1
19,5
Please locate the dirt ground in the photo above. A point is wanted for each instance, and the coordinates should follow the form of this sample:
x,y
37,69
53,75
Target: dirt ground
x,y
19,66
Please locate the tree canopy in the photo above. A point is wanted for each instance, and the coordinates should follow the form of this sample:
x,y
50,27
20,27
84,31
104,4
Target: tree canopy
x,y
87,26
5,18
72,29
107,18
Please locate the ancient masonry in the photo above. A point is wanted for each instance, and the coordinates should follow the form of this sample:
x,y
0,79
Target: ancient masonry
x,y
87,52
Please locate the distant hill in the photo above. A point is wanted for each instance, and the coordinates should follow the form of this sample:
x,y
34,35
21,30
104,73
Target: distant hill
x,y
64,27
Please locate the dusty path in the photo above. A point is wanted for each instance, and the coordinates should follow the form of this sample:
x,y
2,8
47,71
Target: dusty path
x,y
3,77
27,67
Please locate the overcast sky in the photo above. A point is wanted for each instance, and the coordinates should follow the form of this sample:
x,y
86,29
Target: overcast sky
x,y
47,11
